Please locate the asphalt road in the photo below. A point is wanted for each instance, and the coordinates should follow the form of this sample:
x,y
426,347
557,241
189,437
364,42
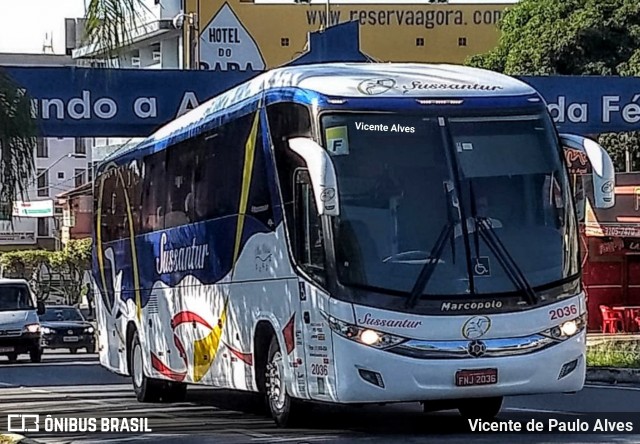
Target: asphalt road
x,y
76,385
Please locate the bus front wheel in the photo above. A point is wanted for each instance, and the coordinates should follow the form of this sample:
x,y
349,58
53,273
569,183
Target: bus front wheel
x,y
480,408
284,410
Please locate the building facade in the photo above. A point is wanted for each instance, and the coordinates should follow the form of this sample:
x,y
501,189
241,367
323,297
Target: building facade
x,y
155,43
249,34
61,164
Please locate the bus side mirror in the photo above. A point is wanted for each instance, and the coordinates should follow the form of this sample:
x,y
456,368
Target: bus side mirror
x,y
600,165
321,172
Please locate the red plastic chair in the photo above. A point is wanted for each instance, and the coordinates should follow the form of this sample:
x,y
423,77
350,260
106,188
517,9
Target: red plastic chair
x,y
611,319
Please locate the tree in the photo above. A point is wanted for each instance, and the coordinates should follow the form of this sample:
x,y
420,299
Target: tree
x,y
32,265
71,263
17,143
571,37
109,23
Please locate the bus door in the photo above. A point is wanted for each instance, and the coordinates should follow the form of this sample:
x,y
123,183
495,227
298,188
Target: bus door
x,y
310,255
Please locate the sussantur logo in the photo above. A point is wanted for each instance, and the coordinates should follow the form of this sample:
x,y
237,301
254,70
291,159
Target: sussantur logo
x,y
375,87
476,327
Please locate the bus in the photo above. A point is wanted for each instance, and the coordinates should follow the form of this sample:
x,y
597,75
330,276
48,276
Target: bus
x,y
348,233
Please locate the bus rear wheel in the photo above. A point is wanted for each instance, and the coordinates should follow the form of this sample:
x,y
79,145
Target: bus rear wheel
x,y
480,408
150,389
285,410
147,389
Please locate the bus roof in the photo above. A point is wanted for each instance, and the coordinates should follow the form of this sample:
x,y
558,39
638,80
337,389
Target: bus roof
x,y
361,80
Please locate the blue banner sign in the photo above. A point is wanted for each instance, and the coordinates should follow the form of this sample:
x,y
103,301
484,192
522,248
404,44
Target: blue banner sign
x,y
83,102
591,104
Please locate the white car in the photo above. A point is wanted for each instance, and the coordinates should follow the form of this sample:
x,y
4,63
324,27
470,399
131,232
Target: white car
x,y
20,331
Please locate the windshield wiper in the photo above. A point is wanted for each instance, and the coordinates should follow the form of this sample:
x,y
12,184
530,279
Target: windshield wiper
x,y
515,274
435,253
430,265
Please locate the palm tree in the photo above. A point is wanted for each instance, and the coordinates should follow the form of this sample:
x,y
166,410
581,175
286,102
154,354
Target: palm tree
x,y
108,23
17,143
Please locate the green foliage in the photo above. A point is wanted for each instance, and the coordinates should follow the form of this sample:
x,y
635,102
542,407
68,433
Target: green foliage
x,y
38,267
110,23
32,265
70,263
572,37
17,141
567,37
615,352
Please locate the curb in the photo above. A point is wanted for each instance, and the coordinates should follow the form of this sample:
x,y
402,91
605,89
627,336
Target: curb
x,y
613,375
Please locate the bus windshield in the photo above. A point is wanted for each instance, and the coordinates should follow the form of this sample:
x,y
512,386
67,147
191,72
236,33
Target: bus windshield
x,y
494,181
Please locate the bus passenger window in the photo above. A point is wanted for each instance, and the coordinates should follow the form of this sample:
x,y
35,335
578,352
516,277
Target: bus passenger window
x,y
309,239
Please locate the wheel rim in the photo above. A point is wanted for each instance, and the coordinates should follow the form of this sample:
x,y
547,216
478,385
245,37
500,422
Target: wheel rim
x,y
137,365
275,385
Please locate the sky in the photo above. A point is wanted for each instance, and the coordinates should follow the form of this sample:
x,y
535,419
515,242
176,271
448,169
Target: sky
x,y
24,23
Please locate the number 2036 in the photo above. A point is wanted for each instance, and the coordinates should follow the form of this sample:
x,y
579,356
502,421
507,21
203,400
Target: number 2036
x,y
319,370
563,312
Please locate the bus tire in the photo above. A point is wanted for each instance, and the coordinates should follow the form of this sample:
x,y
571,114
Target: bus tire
x,y
146,389
285,411
480,408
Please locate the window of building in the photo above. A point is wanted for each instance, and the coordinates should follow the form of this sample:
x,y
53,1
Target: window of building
x,y
462,41
420,41
60,174
42,148
89,173
43,182
81,147
43,227
284,41
78,175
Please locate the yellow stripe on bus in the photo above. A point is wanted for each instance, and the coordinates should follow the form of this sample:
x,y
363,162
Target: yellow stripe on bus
x,y
206,349
99,238
134,253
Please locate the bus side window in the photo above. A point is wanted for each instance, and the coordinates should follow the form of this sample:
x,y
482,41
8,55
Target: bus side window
x,y
154,192
308,229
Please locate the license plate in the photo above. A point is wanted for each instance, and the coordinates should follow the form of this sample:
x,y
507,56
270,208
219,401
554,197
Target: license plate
x,y
6,349
70,339
484,376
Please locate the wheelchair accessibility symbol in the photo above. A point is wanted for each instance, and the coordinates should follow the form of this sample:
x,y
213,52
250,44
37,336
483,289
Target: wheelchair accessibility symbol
x,y
482,267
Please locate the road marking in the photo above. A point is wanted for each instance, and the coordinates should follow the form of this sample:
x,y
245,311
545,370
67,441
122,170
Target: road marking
x,y
562,412
298,439
613,386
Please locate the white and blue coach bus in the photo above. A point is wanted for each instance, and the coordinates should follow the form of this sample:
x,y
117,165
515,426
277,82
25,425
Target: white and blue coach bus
x,y
348,233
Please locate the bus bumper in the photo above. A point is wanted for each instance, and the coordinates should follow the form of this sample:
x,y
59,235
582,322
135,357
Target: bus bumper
x,y
366,374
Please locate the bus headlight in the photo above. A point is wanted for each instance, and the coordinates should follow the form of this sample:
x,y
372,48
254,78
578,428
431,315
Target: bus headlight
x,y
365,336
567,329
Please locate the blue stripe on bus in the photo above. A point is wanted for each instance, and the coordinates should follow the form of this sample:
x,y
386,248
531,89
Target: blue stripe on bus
x,y
191,240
